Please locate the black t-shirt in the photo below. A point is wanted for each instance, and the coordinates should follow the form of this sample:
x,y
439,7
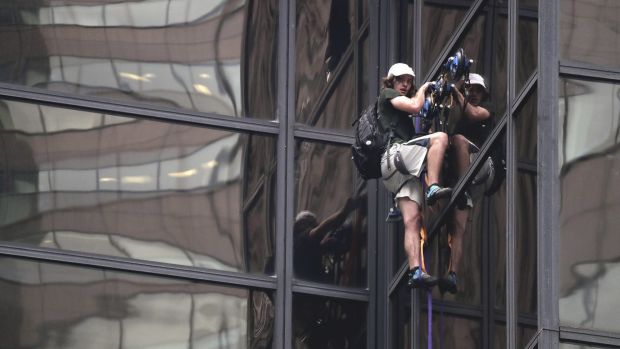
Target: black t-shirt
x,y
392,119
475,131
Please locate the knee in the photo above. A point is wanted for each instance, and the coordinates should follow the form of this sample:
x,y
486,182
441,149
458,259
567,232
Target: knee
x,y
411,220
440,139
460,142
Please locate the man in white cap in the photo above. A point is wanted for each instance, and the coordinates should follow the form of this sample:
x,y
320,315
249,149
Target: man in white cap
x,y
471,127
403,161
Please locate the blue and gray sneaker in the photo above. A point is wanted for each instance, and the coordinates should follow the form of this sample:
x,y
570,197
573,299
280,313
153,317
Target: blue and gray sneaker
x,y
435,192
448,284
419,278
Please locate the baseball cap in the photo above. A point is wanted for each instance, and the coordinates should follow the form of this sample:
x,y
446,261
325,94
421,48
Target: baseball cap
x,y
477,79
399,69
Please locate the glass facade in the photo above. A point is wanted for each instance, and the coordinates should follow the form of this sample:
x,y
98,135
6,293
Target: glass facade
x,y
590,195
49,305
136,188
178,174
589,32
204,56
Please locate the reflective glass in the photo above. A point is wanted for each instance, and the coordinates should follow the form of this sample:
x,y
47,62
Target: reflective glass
x,y
320,322
497,228
135,188
527,246
47,305
400,306
326,41
527,42
589,31
438,25
207,56
330,228
451,332
527,129
524,335
589,204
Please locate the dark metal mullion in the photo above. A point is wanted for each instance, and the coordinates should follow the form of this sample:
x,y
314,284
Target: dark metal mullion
x,y
467,20
59,100
511,179
548,186
81,259
589,336
377,194
325,290
586,70
322,135
282,296
415,294
287,204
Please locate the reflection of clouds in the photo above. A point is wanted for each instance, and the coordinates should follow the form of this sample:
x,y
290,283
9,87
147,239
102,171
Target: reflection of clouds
x,y
89,308
128,13
594,301
184,85
589,118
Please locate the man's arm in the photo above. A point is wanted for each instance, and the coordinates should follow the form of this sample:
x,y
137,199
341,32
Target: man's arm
x,y
411,105
473,112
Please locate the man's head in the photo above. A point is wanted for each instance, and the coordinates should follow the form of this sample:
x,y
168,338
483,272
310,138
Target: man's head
x,y
477,89
400,77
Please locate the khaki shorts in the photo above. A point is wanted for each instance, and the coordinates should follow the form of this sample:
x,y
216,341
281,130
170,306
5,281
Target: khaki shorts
x,y
405,185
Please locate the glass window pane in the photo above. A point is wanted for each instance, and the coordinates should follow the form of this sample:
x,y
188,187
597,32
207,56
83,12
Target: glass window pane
x,y
527,131
451,332
206,56
136,188
589,31
527,41
48,305
438,25
320,322
330,226
325,44
497,227
589,204
524,335
527,246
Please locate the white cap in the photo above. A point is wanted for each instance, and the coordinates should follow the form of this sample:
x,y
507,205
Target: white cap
x,y
399,69
476,79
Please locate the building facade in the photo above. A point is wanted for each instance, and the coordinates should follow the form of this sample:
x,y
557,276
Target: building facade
x,y
220,208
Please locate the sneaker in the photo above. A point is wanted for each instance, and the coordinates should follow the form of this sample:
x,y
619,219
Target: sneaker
x,y
464,198
435,192
419,278
448,284
394,215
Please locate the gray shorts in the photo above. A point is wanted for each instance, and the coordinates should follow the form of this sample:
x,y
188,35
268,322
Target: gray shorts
x,y
405,185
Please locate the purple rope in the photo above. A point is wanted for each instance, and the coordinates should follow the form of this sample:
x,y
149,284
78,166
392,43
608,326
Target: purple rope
x,y
429,303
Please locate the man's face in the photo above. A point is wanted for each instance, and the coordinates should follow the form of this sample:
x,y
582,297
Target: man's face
x,y
403,83
476,94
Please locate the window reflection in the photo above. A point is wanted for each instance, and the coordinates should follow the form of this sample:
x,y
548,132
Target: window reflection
x,y
189,54
330,226
328,323
90,308
589,174
137,188
589,31
327,39
456,332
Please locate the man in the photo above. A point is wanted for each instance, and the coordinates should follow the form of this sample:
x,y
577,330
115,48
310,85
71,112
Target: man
x,y
403,161
469,133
